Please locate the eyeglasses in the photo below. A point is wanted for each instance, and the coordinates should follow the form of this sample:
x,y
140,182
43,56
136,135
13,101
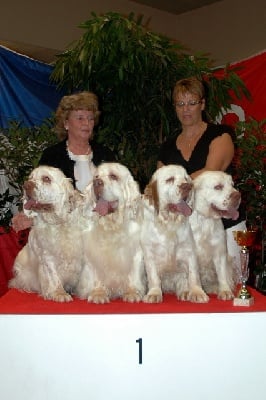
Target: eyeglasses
x,y
191,103
83,118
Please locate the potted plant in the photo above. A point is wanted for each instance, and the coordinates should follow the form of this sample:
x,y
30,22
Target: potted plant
x,y
133,70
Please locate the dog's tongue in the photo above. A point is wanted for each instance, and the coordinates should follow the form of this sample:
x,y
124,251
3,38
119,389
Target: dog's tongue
x,y
181,208
30,204
232,213
104,207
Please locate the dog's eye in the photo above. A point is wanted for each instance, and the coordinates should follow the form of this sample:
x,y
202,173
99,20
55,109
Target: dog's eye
x,y
46,179
219,187
170,180
113,177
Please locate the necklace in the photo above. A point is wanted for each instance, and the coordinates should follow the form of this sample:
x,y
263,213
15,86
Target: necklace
x,y
192,140
189,142
83,154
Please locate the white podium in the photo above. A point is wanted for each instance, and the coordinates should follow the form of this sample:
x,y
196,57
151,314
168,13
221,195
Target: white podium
x,y
214,356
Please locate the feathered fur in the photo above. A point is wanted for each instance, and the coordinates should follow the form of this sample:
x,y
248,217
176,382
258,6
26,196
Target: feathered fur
x,y
214,198
167,241
51,261
113,256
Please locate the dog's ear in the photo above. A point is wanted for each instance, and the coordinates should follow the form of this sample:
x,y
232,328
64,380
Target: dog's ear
x,y
88,200
89,192
132,197
131,190
75,200
151,194
67,184
66,194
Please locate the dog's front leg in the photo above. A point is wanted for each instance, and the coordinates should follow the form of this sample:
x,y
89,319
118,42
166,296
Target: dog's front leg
x,y
154,294
90,286
196,294
224,271
136,281
50,282
186,256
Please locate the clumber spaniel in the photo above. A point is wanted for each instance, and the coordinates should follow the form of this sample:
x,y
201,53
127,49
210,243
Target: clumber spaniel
x,y
50,263
113,257
214,198
167,240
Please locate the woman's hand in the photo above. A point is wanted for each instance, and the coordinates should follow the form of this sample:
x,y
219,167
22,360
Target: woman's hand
x,y
20,222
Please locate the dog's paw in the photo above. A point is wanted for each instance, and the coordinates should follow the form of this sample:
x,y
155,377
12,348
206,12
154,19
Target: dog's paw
x,y
59,295
225,295
132,296
99,296
183,296
198,295
153,296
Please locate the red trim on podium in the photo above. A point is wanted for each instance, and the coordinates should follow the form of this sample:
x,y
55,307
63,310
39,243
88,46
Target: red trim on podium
x,y
16,302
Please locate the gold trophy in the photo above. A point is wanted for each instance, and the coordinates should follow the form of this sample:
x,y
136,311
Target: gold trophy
x,y
244,239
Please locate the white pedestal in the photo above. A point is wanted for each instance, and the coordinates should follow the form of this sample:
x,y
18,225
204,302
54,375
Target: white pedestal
x,y
243,302
146,357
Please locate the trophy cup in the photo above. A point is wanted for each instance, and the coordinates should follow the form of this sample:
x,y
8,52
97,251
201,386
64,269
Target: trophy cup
x,y
244,239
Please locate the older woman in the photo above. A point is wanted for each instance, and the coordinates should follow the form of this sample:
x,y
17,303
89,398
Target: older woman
x,y
76,154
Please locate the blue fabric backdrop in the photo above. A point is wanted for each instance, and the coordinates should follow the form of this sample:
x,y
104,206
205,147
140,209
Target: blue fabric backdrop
x,y
26,93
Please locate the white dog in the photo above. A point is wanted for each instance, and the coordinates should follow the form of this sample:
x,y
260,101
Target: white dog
x,y
214,198
167,240
50,263
113,257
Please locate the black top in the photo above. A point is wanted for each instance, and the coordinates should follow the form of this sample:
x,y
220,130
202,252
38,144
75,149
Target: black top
x,y
57,156
170,154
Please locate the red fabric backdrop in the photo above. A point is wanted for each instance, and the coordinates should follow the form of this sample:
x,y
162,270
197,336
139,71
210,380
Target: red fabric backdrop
x,y
253,73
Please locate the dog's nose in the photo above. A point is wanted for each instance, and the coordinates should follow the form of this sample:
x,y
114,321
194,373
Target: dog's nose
x,y
185,189
29,187
235,197
97,182
98,186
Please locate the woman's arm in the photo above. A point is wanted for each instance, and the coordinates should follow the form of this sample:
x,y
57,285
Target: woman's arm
x,y
221,153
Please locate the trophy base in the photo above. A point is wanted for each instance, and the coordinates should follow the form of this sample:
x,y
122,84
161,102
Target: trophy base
x,y
238,301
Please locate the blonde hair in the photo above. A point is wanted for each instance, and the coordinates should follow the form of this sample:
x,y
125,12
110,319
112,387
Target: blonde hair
x,y
189,85
78,101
